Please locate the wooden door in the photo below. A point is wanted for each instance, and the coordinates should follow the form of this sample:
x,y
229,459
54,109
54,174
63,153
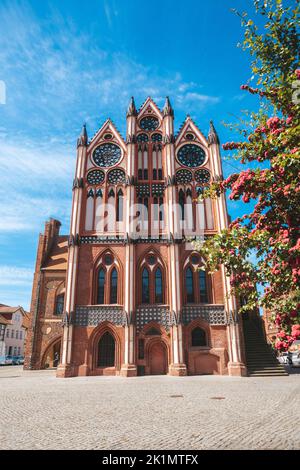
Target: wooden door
x,y
158,359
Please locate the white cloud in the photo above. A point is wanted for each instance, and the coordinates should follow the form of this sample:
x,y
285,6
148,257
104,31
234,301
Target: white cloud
x,y
57,77
205,99
15,285
36,183
14,275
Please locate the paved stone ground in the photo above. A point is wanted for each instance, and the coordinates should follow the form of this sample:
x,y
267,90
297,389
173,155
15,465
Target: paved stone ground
x,y
39,411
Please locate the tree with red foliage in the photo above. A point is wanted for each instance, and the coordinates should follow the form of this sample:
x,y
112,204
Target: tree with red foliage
x,y
271,230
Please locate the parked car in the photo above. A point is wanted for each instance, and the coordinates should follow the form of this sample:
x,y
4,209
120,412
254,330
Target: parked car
x,y
295,353
2,360
285,358
17,360
8,360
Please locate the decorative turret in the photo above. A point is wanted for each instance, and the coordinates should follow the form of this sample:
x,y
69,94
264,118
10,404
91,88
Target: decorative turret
x,y
131,111
83,139
212,135
168,110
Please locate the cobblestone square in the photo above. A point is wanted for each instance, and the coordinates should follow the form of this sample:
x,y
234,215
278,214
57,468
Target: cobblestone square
x,y
39,411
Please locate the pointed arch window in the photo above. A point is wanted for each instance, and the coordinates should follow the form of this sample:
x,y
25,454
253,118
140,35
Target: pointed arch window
x,y
189,286
119,208
114,287
145,287
106,351
101,286
197,283
152,276
199,337
181,203
158,286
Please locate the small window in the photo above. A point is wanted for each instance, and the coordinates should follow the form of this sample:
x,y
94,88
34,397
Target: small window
x,y
141,349
59,305
153,332
7,333
12,333
21,334
17,334
198,337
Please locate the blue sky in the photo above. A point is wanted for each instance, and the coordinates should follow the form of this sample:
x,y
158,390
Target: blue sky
x,y
69,62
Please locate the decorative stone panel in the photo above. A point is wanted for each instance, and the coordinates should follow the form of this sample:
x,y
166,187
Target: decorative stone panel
x,y
212,314
92,315
102,239
160,315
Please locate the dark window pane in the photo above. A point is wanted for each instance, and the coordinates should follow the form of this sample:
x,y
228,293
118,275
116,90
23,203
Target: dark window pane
x,y
59,305
181,203
203,287
161,209
189,287
160,175
101,282
106,351
158,287
153,332
141,349
198,337
145,287
114,287
119,214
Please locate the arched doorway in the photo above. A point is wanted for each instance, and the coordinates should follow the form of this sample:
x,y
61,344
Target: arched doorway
x,y
52,355
158,358
106,351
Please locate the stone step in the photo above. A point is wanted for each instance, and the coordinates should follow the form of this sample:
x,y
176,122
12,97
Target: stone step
x,y
265,374
266,368
255,365
260,360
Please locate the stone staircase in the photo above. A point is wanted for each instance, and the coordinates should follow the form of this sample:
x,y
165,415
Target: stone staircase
x,y
260,359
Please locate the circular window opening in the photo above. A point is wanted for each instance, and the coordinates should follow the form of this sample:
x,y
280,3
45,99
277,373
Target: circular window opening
x,y
195,259
108,259
151,260
107,136
190,136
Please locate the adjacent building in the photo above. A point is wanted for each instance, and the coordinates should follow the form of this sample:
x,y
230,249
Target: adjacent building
x,y
124,292
14,322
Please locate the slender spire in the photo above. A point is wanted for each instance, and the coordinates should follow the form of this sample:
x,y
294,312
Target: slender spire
x,y
212,134
168,110
131,111
83,138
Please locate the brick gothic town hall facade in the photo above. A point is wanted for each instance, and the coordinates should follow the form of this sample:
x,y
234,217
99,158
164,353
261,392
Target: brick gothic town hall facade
x,y
123,293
